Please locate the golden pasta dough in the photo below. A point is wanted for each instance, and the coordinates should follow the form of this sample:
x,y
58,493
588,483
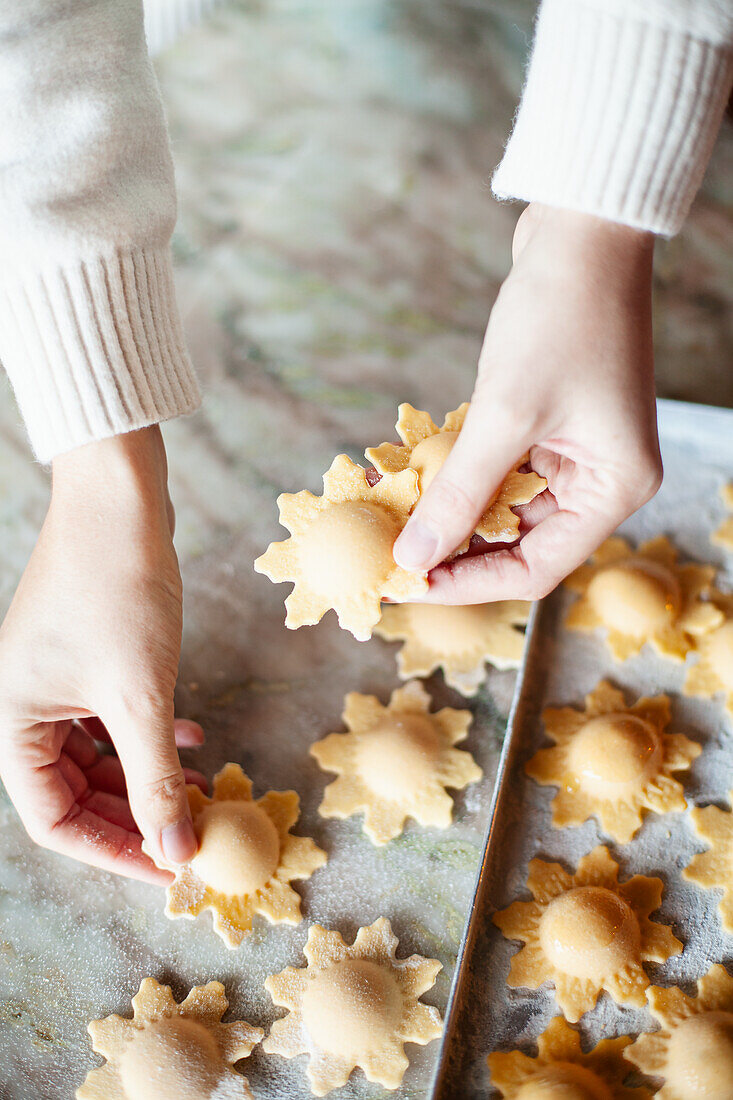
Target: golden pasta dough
x,y
457,639
714,868
395,762
724,534
339,555
693,1051
561,1071
612,761
353,1006
425,449
712,673
643,595
586,933
246,859
171,1051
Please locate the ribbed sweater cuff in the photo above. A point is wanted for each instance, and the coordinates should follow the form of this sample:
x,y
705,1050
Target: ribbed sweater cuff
x,y
95,348
618,117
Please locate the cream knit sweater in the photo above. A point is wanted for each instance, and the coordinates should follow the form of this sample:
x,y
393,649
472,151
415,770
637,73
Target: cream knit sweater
x,y
618,117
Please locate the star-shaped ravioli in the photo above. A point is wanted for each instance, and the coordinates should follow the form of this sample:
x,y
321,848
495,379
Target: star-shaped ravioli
x,y
171,1051
613,761
339,555
724,534
587,932
353,1006
246,859
395,762
713,671
561,1071
425,449
693,1051
457,639
643,595
714,867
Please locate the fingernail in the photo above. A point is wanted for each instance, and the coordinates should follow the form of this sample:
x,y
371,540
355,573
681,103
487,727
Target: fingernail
x,y
416,546
178,842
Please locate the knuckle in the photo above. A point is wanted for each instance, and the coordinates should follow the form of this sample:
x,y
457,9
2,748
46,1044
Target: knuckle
x,y
168,788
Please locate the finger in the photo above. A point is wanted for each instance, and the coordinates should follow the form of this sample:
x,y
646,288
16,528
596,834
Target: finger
x,y
107,775
90,839
95,727
143,734
112,808
197,779
527,571
453,503
532,514
81,747
188,734
54,819
72,775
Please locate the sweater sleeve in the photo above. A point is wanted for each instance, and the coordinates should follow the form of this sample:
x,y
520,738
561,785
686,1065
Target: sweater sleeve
x,y
89,329
621,108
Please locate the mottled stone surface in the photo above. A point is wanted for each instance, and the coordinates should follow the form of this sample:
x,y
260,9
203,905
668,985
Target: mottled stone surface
x,y
338,251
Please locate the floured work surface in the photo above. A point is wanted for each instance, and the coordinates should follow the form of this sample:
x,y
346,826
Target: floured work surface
x,y
561,668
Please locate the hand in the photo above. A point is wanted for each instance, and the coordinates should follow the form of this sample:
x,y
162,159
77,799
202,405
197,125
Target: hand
x,y
90,649
566,373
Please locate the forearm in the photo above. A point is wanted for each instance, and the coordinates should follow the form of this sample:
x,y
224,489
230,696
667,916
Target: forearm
x,y
621,108
89,328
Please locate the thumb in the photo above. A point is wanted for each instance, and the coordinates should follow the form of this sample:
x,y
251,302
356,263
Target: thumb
x,y
451,506
143,734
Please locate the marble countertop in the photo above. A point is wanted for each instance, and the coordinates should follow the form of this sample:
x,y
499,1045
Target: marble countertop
x,y
337,252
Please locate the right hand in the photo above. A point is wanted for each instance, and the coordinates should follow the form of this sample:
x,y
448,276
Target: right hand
x,y
566,373
89,650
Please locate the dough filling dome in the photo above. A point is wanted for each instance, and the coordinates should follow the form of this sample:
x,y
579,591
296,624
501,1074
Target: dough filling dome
x,y
613,752
561,1070
643,596
353,1007
172,1059
246,860
700,1057
589,932
399,756
171,1051
720,654
348,548
613,761
429,455
636,596
565,1081
692,1052
239,847
395,762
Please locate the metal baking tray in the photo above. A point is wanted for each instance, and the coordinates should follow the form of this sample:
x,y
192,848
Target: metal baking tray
x,y
559,668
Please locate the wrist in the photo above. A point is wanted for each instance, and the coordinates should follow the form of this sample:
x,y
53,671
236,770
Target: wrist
x,y
568,244
130,470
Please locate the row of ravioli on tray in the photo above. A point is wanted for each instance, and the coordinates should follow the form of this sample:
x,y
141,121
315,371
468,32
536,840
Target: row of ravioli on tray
x,y
356,1005
591,931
